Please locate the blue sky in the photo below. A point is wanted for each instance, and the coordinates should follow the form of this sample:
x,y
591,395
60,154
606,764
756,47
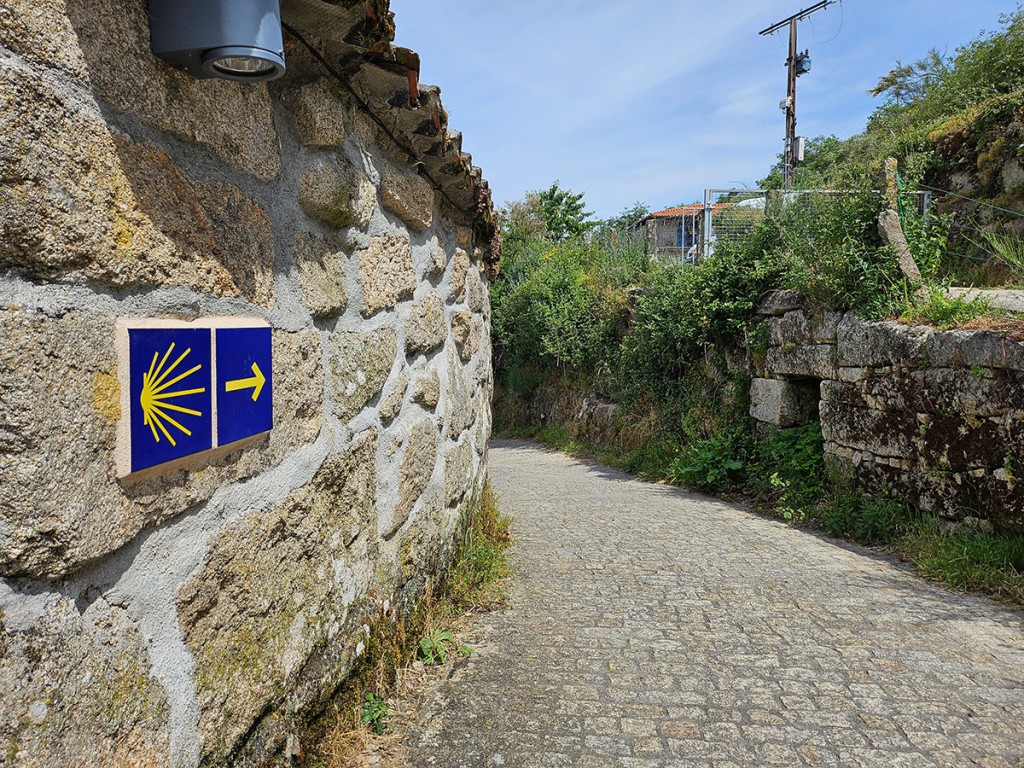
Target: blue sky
x,y
653,100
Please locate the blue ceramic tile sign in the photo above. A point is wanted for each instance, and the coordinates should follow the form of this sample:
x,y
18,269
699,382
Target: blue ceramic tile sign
x,y
245,393
192,389
171,394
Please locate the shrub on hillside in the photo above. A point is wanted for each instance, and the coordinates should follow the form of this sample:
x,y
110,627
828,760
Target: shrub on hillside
x,y
682,313
552,310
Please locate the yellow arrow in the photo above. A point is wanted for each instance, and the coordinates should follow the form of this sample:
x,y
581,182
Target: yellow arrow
x,y
255,383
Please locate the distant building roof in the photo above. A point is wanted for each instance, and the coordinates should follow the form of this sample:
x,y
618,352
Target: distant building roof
x,y
685,210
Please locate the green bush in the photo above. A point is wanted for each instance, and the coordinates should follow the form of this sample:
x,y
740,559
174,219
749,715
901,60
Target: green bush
x,y
682,314
992,64
789,471
716,463
836,256
550,309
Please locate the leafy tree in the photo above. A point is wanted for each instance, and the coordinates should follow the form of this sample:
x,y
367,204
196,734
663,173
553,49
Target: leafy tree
x,y
907,83
828,162
522,222
564,213
628,217
551,215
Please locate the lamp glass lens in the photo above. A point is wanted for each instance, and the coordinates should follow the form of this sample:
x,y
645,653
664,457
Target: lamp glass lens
x,y
243,65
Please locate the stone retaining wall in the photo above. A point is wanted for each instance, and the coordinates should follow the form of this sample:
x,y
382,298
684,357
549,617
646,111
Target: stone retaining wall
x,y
198,615
586,415
932,417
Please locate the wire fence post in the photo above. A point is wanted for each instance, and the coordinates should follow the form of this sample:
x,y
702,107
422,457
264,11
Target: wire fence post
x,y
707,233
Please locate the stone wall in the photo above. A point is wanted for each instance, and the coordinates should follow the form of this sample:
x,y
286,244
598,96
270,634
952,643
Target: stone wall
x,y
932,417
197,615
586,415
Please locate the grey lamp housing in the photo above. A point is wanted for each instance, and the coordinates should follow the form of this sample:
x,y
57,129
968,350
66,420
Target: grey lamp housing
x,y
233,39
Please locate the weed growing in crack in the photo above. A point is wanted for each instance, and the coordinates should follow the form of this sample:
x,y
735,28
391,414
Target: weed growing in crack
x,y
436,646
375,714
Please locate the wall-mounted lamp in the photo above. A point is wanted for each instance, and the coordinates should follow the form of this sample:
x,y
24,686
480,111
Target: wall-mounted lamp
x,y
233,39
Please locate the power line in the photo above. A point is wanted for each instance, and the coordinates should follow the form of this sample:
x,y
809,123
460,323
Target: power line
x,y
842,22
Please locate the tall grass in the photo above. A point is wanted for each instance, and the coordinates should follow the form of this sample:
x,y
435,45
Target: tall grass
x,y
968,559
1008,248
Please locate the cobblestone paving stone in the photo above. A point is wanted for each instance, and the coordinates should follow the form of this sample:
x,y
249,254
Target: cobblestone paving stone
x,y
653,627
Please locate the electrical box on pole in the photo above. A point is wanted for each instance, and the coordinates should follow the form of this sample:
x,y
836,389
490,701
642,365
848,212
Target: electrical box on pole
x,y
803,63
796,64
800,149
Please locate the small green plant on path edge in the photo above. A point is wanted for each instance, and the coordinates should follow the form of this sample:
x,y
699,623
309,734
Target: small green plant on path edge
x,y
436,646
374,713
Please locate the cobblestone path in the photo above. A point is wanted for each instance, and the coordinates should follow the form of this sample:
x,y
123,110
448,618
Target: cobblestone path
x,y
653,627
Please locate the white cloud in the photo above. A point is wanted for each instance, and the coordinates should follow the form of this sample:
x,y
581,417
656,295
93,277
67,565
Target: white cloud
x,y
654,100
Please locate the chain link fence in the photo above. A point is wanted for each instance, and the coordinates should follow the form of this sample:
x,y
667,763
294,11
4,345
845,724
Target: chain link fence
x,y
973,242
954,239
730,215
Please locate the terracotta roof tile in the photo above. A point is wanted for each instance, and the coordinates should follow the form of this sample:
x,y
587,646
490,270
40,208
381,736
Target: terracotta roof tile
x,y
686,210
357,38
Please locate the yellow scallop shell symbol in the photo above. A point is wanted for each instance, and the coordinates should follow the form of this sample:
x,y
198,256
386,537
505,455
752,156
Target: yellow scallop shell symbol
x,y
156,394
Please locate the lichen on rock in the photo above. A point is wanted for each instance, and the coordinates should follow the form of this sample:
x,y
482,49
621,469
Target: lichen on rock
x,y
425,328
407,195
417,467
77,690
360,364
337,194
386,272
276,586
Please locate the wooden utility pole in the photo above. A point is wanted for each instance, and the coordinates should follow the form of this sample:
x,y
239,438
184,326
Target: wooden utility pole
x,y
789,158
